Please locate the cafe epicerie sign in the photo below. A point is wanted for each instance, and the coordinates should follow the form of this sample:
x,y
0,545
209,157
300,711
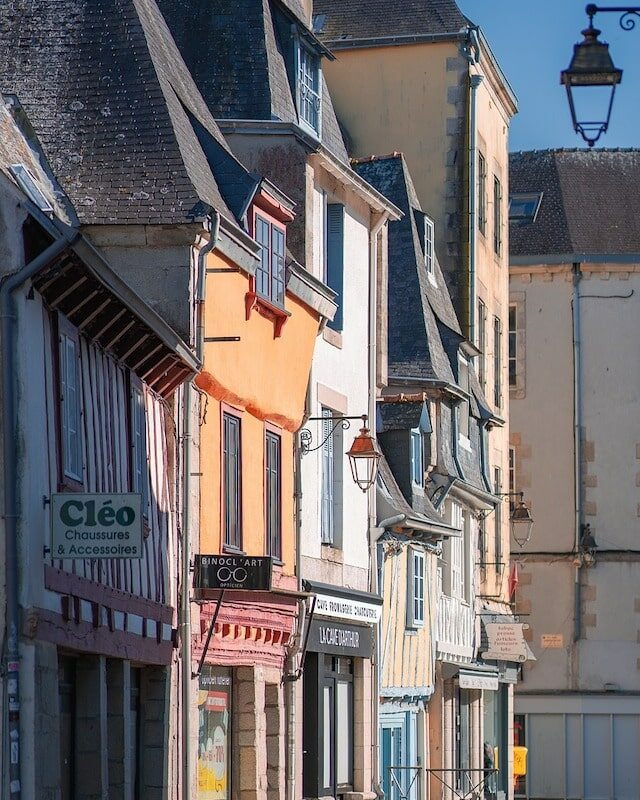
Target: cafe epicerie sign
x,y
96,525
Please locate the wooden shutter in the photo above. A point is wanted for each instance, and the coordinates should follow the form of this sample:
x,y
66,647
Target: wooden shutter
x,y
335,259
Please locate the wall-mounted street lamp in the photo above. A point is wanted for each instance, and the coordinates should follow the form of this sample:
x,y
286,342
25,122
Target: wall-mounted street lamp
x,y
592,66
363,455
520,519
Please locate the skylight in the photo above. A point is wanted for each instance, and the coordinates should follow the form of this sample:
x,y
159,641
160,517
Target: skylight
x,y
30,187
523,207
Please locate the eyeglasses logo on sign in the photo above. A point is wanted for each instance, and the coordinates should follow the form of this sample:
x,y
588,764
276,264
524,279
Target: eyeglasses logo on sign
x,y
96,525
233,572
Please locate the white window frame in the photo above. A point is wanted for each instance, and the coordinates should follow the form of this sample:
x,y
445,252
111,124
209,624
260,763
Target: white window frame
x,y
71,399
301,48
416,575
417,457
512,343
464,410
456,551
429,243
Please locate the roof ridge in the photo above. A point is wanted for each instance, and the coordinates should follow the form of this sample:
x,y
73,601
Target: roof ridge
x,y
377,157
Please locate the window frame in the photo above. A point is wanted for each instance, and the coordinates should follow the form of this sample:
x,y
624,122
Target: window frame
x,y
417,464
513,346
235,546
456,553
482,342
301,75
266,273
331,481
463,409
69,480
497,489
136,390
482,194
415,600
429,245
497,362
273,538
497,216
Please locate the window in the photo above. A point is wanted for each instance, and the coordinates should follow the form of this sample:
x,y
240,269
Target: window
x,y
482,194
428,245
273,493
463,407
513,345
457,553
215,712
497,216
512,476
497,362
417,460
482,343
497,487
482,541
70,402
334,266
415,595
232,483
524,207
270,275
309,87
331,497
139,461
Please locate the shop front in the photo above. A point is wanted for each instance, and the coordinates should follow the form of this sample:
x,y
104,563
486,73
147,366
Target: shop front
x,y
337,694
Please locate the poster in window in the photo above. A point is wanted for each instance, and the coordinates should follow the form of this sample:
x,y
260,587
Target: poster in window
x,y
214,737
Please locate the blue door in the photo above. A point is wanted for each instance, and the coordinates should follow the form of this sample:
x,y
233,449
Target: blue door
x,y
393,778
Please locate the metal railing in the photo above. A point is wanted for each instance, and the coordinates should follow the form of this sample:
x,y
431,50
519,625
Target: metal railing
x,y
461,784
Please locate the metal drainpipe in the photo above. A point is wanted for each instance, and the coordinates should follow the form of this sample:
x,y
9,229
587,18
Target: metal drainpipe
x,y
376,675
185,598
9,450
577,448
471,53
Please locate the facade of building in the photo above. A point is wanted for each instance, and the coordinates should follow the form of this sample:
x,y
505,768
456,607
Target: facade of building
x,y
574,320
90,503
434,432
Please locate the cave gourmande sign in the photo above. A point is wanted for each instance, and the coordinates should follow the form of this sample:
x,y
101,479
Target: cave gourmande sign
x,y
96,525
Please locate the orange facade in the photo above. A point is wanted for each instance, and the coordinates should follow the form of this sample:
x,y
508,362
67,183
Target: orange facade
x,y
262,380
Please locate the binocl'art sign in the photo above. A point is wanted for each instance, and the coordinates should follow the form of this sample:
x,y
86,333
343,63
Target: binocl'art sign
x,y
96,525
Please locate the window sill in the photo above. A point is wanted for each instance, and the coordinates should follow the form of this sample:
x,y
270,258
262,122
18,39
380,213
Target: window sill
x,y
266,308
233,551
70,485
332,553
332,337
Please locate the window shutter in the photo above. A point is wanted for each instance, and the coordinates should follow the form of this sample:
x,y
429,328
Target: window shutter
x,y
335,258
70,397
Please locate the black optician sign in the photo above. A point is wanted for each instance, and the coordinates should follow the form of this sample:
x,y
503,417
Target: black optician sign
x,y
340,639
233,572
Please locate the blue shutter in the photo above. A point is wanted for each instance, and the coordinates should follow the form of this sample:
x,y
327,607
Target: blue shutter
x,y
335,258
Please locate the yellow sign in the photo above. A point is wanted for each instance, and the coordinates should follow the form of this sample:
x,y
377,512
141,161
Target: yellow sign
x,y
520,760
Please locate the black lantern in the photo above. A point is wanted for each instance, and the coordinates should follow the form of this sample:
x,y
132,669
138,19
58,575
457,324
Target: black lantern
x,y
363,459
521,523
591,66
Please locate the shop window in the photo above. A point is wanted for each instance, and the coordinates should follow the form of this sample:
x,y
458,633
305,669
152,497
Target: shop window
x,y
70,405
232,481
135,730
495,739
273,493
331,480
67,700
416,584
214,733
520,740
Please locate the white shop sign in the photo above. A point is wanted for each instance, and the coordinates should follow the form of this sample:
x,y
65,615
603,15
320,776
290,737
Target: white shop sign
x,y
468,680
346,608
96,525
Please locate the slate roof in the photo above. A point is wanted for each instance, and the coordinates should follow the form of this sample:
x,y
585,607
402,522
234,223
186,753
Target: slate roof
x,y
371,19
391,501
399,416
109,98
590,201
242,59
417,307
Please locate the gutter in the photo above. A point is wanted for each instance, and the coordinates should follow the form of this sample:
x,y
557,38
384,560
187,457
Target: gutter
x,y
185,599
10,512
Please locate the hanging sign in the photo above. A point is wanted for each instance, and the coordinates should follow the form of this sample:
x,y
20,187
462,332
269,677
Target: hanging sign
x,y
96,525
506,642
233,572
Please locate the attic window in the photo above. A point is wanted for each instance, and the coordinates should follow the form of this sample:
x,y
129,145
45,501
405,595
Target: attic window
x,y
308,87
524,207
428,245
29,186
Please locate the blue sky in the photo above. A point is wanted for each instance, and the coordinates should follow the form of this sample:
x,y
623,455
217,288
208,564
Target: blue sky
x,y
533,41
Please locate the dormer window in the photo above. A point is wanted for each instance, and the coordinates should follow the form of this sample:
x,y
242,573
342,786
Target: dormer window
x,y
270,275
308,87
417,457
428,245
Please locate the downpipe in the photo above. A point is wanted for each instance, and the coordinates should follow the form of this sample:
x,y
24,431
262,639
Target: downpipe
x,y
577,449
10,513
187,437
